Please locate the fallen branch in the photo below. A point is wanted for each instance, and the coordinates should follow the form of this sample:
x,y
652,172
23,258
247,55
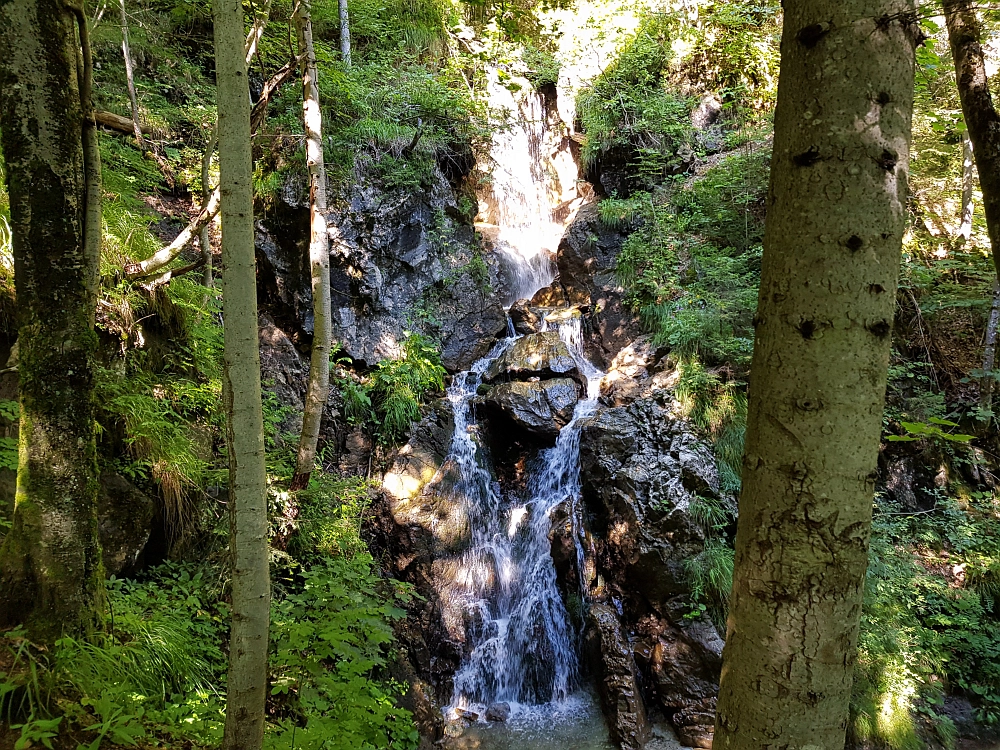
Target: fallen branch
x,y
173,273
161,258
119,123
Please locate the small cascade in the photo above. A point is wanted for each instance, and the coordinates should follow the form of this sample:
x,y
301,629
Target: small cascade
x,y
533,182
522,642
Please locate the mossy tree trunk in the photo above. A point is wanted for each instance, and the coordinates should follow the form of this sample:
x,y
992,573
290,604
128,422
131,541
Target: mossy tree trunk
x,y
836,214
248,643
319,254
51,578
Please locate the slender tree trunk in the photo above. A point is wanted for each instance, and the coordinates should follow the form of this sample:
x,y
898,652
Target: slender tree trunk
x,y
51,578
319,254
836,213
968,183
205,238
130,79
988,383
345,34
981,116
242,393
983,123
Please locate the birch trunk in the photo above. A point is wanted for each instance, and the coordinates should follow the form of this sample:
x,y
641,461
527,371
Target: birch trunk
x,y
242,393
836,214
988,384
51,578
968,183
345,34
319,254
130,78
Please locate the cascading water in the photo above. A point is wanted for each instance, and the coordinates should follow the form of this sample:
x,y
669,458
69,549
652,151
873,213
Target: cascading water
x,y
532,175
522,642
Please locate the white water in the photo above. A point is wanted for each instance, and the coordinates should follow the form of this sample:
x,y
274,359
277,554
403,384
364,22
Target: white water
x,y
522,644
532,177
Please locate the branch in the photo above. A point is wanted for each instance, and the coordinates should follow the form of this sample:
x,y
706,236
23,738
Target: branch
x,y
162,257
119,123
165,277
165,256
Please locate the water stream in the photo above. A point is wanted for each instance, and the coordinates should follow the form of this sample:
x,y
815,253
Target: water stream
x,y
521,643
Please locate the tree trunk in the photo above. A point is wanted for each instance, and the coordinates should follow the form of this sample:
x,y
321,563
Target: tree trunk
x,y
836,213
51,578
981,117
319,254
130,79
345,34
968,183
242,393
205,237
988,383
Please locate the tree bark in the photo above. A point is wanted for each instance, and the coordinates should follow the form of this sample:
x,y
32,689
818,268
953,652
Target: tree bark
x,y
248,644
51,579
981,116
345,34
988,383
319,254
205,237
968,183
130,79
836,214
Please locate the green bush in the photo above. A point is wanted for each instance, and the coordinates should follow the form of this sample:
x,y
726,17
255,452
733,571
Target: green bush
x,y
330,638
399,385
630,107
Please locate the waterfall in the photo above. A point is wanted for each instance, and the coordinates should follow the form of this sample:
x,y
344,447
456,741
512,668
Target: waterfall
x,y
533,182
522,643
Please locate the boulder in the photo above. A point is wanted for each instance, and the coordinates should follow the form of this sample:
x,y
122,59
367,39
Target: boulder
x,y
524,318
640,470
498,712
617,678
541,408
125,517
587,260
542,355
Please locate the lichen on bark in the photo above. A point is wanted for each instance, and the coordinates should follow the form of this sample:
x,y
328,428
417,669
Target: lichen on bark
x,y
50,566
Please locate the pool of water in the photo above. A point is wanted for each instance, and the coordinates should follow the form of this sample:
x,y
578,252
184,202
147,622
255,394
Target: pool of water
x,y
574,724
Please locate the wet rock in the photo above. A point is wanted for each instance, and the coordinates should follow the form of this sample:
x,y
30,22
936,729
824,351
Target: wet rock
x,y
433,523
467,715
640,469
498,712
542,408
125,517
587,260
617,678
542,355
524,318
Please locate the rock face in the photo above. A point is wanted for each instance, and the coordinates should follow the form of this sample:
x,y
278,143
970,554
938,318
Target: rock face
x,y
617,680
641,468
586,260
422,528
400,259
125,517
541,355
541,408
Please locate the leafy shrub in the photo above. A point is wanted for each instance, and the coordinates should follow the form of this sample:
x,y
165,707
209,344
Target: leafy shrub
x,y
399,385
330,637
629,106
